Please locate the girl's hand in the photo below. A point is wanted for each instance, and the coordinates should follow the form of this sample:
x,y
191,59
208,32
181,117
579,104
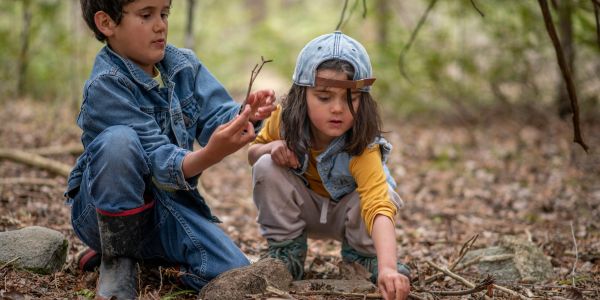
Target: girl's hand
x,y
393,285
282,155
262,104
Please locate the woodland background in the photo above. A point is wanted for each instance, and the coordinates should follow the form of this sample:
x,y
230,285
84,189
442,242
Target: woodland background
x,y
471,93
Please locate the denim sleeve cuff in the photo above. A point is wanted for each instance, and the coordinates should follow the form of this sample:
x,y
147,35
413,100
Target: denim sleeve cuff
x,y
174,178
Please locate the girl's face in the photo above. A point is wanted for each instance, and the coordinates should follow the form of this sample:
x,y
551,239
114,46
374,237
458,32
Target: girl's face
x,y
142,34
328,110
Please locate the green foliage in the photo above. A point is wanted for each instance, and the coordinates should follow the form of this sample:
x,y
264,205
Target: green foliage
x,y
458,58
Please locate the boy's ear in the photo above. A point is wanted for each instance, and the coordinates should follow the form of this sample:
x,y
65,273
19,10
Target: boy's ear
x,y
104,23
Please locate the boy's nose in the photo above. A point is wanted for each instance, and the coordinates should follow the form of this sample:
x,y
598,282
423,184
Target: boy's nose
x,y
160,25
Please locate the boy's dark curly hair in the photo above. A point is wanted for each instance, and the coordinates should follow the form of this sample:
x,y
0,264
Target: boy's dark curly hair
x,y
114,9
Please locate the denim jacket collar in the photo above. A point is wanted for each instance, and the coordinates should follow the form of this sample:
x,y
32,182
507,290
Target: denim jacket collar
x,y
171,64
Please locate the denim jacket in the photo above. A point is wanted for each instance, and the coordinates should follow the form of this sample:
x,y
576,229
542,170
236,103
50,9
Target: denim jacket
x,y
190,106
333,166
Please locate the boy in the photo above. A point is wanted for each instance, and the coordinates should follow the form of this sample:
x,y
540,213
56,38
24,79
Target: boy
x,y
133,190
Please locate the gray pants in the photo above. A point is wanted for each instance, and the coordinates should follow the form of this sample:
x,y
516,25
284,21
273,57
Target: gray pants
x,y
287,208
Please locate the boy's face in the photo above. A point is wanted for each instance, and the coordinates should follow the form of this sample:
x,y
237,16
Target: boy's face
x,y
142,34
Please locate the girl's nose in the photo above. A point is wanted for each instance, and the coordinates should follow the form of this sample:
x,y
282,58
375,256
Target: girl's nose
x,y
338,105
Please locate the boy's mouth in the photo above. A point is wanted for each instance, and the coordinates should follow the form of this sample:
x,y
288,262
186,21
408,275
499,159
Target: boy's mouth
x,y
159,42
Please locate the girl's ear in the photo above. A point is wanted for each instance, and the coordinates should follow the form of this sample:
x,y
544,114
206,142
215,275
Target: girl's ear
x,y
104,23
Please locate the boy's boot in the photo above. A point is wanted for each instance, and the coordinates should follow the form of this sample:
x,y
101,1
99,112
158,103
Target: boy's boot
x,y
369,261
88,260
120,237
292,253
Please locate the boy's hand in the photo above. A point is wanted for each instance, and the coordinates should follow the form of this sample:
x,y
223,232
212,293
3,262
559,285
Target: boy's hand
x,y
262,104
393,285
282,155
231,136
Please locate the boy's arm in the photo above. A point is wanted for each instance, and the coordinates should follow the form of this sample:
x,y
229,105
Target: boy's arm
x,y
392,284
226,139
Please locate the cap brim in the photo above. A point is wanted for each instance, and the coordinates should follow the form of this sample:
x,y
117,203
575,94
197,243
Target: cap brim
x,y
345,84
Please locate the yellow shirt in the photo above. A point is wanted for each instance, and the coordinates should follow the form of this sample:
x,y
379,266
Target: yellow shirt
x,y
366,169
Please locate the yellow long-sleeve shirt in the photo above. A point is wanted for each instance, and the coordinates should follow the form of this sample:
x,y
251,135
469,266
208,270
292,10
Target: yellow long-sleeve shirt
x,y
366,169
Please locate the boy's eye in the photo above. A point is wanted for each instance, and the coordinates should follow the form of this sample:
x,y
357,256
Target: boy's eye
x,y
165,15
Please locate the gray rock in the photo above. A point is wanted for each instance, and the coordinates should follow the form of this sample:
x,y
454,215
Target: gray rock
x,y
37,249
513,260
264,275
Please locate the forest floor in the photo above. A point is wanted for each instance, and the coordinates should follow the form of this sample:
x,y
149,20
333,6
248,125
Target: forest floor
x,y
508,174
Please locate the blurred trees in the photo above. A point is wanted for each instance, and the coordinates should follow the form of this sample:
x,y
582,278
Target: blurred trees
x,y
459,61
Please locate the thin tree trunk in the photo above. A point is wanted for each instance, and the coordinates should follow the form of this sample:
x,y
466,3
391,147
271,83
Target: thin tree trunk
x,y
565,32
383,20
189,28
23,59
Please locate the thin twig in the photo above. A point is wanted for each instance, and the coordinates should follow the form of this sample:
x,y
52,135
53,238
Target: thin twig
x,y
461,254
253,76
478,288
469,284
477,8
413,35
344,294
576,253
337,27
10,262
566,72
463,251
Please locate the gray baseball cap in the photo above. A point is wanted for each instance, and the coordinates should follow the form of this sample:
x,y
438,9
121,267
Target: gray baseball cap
x,y
334,45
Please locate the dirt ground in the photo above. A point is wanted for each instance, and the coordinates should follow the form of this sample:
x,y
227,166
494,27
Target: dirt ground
x,y
504,175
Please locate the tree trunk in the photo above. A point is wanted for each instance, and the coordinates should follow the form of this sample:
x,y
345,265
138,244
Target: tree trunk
x,y
383,17
565,32
23,59
189,28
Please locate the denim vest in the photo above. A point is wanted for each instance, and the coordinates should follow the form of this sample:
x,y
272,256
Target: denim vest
x,y
190,106
333,166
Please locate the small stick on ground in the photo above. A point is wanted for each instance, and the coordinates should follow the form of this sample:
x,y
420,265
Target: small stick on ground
x,y
10,262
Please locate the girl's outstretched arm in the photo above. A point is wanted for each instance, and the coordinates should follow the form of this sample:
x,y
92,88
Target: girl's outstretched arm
x,y
392,284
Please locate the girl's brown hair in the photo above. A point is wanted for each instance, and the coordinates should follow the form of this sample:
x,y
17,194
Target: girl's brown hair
x,y
295,123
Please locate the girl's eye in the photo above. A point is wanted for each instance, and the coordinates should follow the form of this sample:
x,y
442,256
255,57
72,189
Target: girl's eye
x,y
323,98
146,16
164,15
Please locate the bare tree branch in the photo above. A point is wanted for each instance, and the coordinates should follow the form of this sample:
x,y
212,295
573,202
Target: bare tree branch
x,y
413,35
35,160
477,8
339,24
566,72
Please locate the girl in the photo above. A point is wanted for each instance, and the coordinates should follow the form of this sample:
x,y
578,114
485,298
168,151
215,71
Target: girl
x,y
319,166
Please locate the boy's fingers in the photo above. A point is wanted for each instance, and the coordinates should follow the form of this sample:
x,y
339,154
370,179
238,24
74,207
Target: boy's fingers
x,y
239,122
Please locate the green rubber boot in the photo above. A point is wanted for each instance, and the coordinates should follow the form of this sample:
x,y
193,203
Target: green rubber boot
x,y
292,253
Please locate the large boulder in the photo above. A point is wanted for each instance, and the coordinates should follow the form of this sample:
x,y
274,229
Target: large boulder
x,y
256,278
513,260
37,249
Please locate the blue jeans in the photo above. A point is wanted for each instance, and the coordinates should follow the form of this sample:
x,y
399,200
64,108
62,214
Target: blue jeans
x,y
117,180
